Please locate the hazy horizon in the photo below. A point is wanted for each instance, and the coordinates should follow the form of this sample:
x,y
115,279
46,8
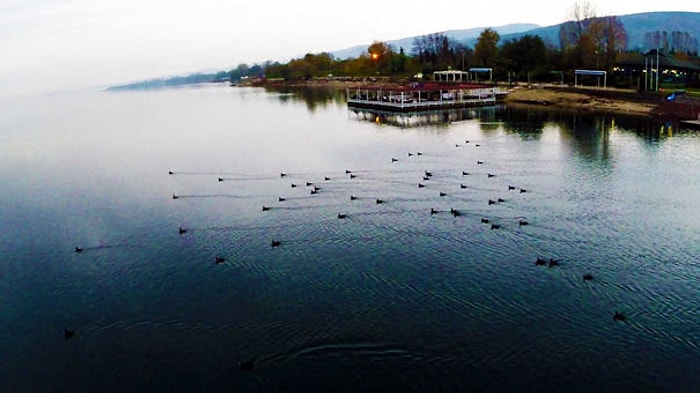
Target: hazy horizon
x,y
59,45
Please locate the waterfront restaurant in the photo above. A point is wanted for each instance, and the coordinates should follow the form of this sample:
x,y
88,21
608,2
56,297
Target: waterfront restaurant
x,y
655,68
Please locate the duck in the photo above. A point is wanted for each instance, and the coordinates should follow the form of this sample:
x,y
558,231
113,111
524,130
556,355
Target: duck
x,y
281,199
294,185
501,200
419,153
523,223
221,179
309,184
511,188
492,202
379,201
428,173
314,191
465,173
393,159
68,334
246,365
618,316
463,186
455,213
275,243
540,262
426,178
265,208
421,185
490,175
522,190
485,221
410,154
181,230
353,198
170,173
175,196
342,216
478,162
352,176
467,141
433,211
495,226
218,259
282,174
587,277
553,262
78,249
477,145
327,178
347,171
442,194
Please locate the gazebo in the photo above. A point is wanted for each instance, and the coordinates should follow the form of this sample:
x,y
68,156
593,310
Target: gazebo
x,y
651,69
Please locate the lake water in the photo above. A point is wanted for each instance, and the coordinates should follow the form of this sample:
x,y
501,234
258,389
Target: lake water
x,y
389,298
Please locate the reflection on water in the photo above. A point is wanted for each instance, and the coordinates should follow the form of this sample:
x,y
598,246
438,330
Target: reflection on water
x,y
371,266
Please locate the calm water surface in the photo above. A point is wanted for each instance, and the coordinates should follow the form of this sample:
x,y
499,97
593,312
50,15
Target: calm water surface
x,y
391,297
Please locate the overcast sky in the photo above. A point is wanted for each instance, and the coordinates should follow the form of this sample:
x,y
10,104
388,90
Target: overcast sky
x,y
48,45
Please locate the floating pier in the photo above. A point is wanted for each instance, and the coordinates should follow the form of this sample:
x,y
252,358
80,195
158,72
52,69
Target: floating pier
x,y
423,96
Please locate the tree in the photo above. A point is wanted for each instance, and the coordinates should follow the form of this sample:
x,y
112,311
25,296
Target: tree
x,y
525,56
380,53
486,48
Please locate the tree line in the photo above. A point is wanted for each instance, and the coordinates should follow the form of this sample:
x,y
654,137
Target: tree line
x,y
586,41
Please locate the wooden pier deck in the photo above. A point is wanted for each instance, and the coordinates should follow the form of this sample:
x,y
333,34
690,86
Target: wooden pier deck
x,y
421,97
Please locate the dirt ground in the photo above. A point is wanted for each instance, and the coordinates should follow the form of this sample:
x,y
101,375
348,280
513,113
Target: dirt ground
x,y
576,101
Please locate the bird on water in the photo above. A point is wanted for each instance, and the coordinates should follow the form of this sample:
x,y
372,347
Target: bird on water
x,y
68,334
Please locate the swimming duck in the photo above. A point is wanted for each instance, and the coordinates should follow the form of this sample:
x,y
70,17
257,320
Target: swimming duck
x,y
442,194
523,223
433,211
587,277
221,179
501,200
246,365
342,216
419,153
294,185
175,196
618,316
428,174
467,141
265,208
410,154
78,249
181,230
454,212
353,198
485,221
540,262
314,191
426,178
68,334
309,184
462,186
489,175
170,172
511,188
281,199
347,171
495,226
282,174
327,178
393,159
379,201
218,259
420,185
477,145
522,190
465,173
352,176
275,243
492,202
479,162
553,262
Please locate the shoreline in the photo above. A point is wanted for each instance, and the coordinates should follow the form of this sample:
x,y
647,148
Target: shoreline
x,y
581,99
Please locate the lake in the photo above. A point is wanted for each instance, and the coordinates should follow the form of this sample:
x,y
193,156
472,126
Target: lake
x,y
407,263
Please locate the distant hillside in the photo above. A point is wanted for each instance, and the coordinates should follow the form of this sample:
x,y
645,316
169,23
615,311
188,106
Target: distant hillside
x,y
637,25
192,79
465,35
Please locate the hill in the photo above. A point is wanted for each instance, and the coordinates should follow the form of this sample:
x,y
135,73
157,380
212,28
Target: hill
x,y
637,26
461,35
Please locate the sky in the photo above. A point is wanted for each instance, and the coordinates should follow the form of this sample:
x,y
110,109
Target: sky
x,y
53,45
